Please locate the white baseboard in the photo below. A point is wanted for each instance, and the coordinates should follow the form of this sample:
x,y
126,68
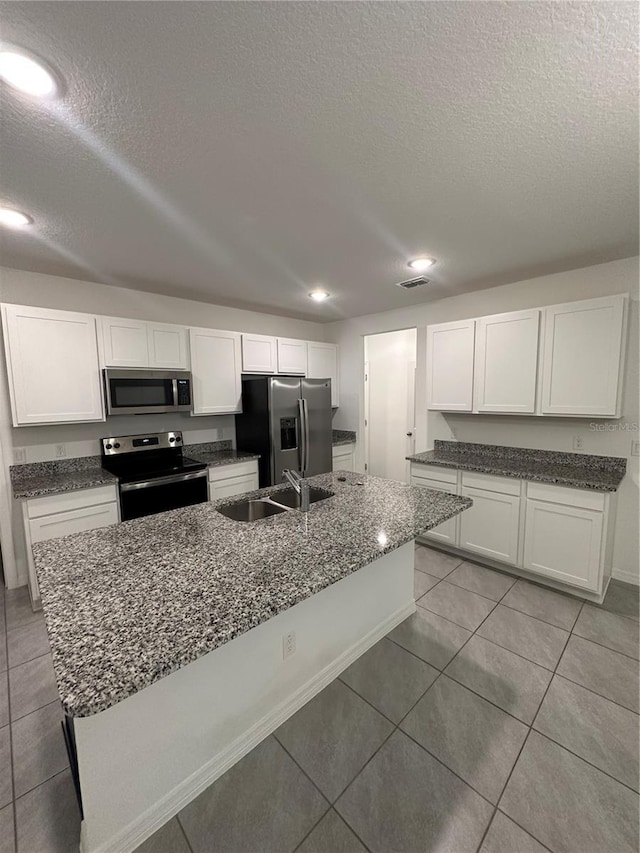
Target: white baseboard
x,y
143,827
627,577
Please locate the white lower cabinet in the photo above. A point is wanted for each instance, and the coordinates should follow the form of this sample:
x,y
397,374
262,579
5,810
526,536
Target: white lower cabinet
x,y
564,540
554,533
342,457
441,480
225,481
60,515
490,526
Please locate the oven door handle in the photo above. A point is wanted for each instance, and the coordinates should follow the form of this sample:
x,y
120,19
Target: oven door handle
x,y
162,481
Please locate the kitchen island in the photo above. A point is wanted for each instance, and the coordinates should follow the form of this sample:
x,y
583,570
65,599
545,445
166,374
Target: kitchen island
x,y
181,640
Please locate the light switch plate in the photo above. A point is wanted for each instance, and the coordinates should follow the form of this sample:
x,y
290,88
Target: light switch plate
x,y
19,455
635,448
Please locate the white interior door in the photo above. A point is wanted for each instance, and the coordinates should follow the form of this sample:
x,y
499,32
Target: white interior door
x,y
390,361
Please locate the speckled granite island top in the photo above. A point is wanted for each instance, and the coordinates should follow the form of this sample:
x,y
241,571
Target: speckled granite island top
x,y
580,470
128,604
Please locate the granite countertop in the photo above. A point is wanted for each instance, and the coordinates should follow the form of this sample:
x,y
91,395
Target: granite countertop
x,y
343,436
128,604
217,453
38,479
580,470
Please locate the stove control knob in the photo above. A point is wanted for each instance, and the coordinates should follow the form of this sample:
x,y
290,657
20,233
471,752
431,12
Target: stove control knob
x,y
116,445
107,446
178,438
172,439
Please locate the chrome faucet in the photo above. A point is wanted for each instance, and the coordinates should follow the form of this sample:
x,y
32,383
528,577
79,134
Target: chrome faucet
x,y
301,486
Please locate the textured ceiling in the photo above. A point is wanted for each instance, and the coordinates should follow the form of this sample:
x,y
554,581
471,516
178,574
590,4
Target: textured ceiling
x,y
240,153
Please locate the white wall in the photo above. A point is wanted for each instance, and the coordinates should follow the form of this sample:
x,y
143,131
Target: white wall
x,y
545,433
26,288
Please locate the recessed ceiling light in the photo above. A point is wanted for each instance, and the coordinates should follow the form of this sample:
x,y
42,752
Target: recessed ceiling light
x,y
14,218
25,72
421,263
319,295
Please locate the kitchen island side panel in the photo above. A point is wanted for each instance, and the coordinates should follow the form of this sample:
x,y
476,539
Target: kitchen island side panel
x,y
146,757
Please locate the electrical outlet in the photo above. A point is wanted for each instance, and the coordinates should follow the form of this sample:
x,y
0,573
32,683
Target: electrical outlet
x,y
578,442
635,448
288,645
19,455
61,451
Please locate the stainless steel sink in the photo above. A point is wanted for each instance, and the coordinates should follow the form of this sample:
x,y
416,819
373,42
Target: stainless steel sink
x,y
290,498
251,510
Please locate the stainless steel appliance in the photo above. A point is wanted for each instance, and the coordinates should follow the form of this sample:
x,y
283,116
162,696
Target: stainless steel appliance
x,y
153,475
287,420
147,392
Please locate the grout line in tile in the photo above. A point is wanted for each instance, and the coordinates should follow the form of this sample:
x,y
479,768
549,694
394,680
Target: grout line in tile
x,y
182,829
515,763
581,757
299,766
595,692
544,621
475,591
608,648
508,817
459,624
33,710
11,761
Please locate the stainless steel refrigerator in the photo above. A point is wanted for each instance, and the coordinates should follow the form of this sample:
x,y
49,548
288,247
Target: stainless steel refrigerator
x,y
287,420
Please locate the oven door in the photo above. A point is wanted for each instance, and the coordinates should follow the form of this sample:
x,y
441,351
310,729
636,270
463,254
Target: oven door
x,y
146,497
139,392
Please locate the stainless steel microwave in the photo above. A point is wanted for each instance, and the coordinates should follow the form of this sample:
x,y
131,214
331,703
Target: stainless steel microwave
x,y
147,392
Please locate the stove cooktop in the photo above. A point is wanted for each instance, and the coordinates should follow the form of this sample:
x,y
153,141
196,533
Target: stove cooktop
x,y
147,457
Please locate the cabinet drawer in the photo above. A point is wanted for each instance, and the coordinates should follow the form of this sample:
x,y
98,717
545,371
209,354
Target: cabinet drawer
x,y
503,485
37,507
238,469
566,496
233,486
74,521
434,472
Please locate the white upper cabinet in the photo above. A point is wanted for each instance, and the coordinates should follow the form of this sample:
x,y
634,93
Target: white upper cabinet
x,y
136,343
506,362
450,366
124,342
557,360
322,363
52,364
259,354
216,367
292,356
167,346
582,357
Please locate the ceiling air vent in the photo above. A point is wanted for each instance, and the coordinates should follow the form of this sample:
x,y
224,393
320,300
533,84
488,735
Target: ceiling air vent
x,y
410,283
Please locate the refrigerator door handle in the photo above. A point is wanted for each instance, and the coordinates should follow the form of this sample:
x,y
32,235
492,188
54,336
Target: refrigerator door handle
x,y
304,434
301,433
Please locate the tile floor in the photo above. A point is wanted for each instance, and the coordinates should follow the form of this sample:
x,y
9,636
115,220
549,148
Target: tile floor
x,y
501,717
